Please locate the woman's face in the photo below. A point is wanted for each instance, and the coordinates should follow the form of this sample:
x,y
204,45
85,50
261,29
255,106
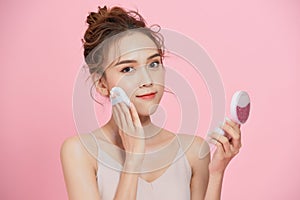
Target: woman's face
x,y
137,68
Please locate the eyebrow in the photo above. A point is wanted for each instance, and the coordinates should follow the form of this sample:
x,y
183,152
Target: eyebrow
x,y
134,61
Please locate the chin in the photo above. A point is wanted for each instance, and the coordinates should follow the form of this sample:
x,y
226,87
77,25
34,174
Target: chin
x,y
147,110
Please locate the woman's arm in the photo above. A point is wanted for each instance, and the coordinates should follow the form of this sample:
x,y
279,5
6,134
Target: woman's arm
x,y
207,178
132,135
228,146
214,187
200,157
79,168
127,187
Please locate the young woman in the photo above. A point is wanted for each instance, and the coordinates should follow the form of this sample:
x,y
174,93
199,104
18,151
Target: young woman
x,y
129,157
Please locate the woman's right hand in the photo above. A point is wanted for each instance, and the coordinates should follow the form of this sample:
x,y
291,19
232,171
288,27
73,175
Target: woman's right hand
x,y
130,131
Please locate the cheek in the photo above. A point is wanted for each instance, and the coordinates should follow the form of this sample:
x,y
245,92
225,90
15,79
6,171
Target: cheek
x,y
125,82
158,77
128,84
160,93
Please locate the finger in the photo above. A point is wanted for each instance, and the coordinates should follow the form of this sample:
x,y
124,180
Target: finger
x,y
135,116
220,150
234,150
232,123
126,113
235,137
234,133
119,113
223,140
124,126
116,116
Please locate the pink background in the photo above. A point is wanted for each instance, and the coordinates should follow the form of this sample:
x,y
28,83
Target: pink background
x,y
254,44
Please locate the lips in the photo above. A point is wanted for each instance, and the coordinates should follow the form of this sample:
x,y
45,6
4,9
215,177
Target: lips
x,y
147,94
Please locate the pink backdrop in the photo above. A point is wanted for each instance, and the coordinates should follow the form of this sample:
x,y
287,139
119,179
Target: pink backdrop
x,y
254,44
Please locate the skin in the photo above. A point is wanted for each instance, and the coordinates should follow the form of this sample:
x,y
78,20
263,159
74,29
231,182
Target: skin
x,y
139,70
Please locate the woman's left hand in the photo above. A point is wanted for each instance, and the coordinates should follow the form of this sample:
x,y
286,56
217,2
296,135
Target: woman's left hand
x,y
228,145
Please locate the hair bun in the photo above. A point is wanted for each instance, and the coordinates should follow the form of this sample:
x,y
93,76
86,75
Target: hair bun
x,y
111,21
102,11
94,17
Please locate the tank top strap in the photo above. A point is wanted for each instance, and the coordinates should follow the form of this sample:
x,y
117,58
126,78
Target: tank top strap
x,y
97,143
104,158
176,135
182,156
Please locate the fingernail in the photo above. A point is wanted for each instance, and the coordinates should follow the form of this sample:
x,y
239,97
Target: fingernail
x,y
111,94
219,131
227,119
224,122
221,124
211,141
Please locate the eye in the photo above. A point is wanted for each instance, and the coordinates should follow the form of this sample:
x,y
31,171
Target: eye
x,y
127,69
154,64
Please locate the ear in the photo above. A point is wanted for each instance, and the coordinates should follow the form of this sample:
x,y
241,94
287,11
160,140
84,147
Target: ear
x,y
101,87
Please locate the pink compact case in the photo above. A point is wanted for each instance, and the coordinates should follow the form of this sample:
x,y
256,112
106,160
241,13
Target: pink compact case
x,y
240,107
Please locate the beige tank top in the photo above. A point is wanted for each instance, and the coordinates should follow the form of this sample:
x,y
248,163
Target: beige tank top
x,y
173,184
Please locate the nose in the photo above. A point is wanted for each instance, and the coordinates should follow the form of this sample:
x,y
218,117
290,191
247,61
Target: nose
x,y
146,79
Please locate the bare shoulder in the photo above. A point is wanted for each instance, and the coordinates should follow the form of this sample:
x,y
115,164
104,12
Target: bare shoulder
x,y
79,167
196,149
198,154
70,142
193,142
78,148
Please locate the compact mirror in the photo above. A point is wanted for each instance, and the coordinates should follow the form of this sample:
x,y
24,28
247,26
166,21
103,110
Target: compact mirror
x,y
240,107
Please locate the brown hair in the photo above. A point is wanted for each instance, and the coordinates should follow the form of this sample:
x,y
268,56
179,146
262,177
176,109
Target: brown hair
x,y
107,23
110,22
